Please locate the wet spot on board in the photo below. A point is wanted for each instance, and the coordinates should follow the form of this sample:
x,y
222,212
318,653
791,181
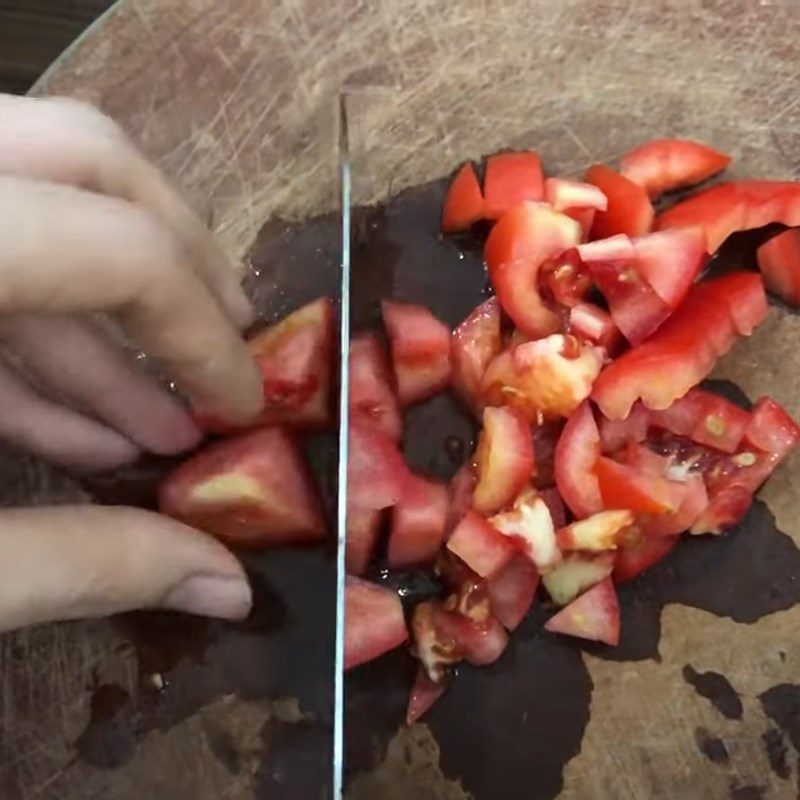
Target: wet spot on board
x,y
712,747
749,792
782,705
777,752
716,689
109,739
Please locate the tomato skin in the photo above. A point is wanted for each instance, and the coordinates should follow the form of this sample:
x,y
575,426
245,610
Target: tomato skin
x,y
576,453
590,323
771,428
480,546
363,530
663,165
372,393
632,561
464,204
512,592
779,262
629,208
253,490
594,615
511,179
517,246
461,493
625,487
735,206
419,525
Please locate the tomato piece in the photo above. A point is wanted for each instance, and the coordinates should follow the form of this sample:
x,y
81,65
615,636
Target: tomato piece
x,y
663,165
601,531
564,280
727,507
374,622
419,525
516,248
512,591
464,204
475,343
424,693
623,486
434,653
511,179
530,525
480,546
594,615
254,490
736,206
694,503
576,573
675,358
504,459
461,493
363,531
592,324
744,294
629,208
555,504
545,439
469,624
633,560
779,262
576,453
372,395
565,195
420,350
771,428
616,433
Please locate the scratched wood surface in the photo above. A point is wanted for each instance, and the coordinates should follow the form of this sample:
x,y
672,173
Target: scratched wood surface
x,y
233,100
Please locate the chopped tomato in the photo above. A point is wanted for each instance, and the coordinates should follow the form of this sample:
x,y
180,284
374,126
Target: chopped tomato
x,y
363,530
420,350
779,262
504,459
466,620
616,433
564,280
418,525
518,245
576,453
629,208
372,394
530,525
601,531
553,501
694,503
771,428
434,653
634,559
675,358
545,439
565,195
594,615
592,324
662,165
482,548
374,622
253,490
623,486
513,590
475,342
736,206
424,693
464,205
576,573
461,493
511,179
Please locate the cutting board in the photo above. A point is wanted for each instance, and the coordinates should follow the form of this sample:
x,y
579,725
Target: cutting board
x,y
234,101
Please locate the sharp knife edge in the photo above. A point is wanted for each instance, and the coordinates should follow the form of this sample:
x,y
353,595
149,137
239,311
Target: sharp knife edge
x,y
344,404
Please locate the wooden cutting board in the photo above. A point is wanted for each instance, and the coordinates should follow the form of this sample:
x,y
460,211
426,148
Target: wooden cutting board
x,y
234,101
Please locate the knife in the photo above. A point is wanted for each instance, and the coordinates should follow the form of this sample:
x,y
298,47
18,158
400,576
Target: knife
x,y
341,500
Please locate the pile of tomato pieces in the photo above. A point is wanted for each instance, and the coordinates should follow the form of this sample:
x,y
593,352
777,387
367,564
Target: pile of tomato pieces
x,y
597,449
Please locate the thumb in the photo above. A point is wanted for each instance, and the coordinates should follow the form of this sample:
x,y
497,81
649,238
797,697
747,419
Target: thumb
x,y
68,562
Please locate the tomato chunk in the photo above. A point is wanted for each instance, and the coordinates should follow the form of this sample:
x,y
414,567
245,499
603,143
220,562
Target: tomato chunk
x,y
629,208
374,622
504,458
576,453
464,204
622,486
363,531
594,615
420,350
418,525
518,245
461,494
736,206
253,490
601,531
634,559
663,165
512,591
372,395
779,262
475,343
590,323
576,573
480,546
616,433
771,428
511,179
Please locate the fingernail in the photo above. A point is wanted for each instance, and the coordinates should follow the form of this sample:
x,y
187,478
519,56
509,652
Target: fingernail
x,y
211,596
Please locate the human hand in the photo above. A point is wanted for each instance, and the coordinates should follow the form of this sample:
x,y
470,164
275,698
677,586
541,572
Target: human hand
x,y
88,225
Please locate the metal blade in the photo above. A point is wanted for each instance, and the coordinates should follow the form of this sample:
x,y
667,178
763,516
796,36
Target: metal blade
x,y
344,404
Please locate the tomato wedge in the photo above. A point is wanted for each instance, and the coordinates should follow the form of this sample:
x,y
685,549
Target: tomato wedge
x,y
418,525
575,574
633,560
512,591
363,530
779,262
736,206
253,490
594,615
482,548
576,453
372,395
518,245
511,179
590,323
530,525
663,165
625,487
374,622
602,531
629,208
464,204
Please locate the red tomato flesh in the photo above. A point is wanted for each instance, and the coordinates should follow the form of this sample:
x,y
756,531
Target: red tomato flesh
x,y
418,525
363,531
590,323
512,591
372,395
480,546
594,615
779,262
626,487
464,204
374,622
576,453
629,208
633,560
511,179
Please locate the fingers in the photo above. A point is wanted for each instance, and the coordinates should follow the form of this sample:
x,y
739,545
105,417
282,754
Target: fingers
x,y
69,562
64,141
56,433
76,364
65,251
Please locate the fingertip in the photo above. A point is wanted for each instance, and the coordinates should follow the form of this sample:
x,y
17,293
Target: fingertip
x,y
223,597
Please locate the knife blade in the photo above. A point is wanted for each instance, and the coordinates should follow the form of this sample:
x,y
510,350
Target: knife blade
x,y
344,404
